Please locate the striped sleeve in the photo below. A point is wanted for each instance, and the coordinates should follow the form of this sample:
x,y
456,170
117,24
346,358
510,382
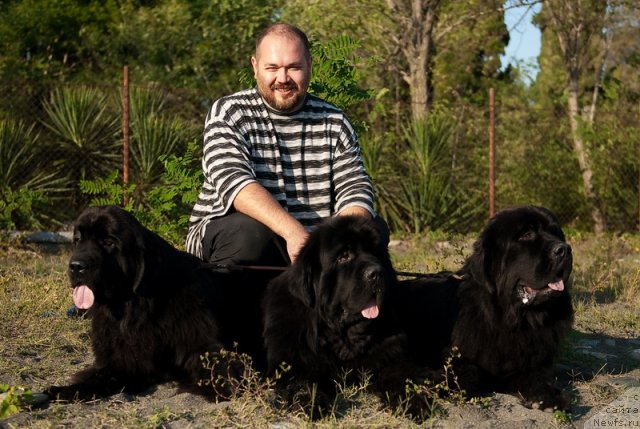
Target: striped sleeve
x,y
352,184
226,157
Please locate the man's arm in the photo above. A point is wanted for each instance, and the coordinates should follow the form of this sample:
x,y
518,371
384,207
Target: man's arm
x,y
255,201
353,188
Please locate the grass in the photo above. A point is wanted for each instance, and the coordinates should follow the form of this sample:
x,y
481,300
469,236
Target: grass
x,y
42,346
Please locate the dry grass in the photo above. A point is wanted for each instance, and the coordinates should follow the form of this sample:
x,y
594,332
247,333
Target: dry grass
x,y
42,346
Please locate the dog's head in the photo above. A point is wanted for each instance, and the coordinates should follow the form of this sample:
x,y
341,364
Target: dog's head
x,y
523,257
109,257
344,271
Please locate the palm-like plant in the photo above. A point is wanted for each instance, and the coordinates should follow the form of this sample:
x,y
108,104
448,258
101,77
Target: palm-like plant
x,y
86,130
18,144
375,156
24,181
153,137
428,197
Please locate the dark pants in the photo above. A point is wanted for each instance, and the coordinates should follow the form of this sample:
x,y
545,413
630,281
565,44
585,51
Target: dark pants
x,y
237,239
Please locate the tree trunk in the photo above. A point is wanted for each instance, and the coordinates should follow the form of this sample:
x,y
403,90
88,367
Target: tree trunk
x,y
416,19
583,156
574,22
418,85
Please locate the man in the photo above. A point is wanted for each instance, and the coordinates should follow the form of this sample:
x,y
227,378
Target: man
x,y
276,160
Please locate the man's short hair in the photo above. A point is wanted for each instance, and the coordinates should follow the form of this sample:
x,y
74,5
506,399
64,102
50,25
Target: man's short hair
x,y
286,30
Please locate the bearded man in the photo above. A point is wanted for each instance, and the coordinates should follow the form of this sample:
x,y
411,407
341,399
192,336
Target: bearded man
x,y
277,160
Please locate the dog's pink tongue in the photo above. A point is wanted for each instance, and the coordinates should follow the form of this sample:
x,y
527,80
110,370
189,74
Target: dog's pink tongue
x,y
82,297
559,285
371,311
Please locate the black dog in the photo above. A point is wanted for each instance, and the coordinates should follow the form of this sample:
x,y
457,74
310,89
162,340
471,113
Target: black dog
x,y
328,315
154,309
506,311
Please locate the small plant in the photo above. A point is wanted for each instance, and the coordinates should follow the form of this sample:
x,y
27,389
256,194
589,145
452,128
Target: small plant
x,y
25,182
450,385
166,207
154,137
232,375
562,417
13,397
86,131
427,196
108,190
448,388
18,208
161,417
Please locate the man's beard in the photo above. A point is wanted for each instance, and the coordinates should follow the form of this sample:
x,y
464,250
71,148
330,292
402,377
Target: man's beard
x,y
268,93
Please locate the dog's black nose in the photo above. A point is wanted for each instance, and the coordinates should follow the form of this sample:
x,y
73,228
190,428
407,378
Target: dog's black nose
x,y
77,267
372,274
560,250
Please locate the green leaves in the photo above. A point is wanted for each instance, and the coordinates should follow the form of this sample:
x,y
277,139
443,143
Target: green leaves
x,y
427,197
153,136
18,151
87,131
12,399
24,180
335,77
166,206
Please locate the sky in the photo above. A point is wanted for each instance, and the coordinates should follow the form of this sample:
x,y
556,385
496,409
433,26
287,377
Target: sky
x,y
524,43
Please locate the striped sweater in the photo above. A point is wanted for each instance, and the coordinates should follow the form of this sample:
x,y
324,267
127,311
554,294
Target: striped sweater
x,y
308,160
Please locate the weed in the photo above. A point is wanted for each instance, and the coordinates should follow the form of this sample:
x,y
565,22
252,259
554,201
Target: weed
x,y
14,398
562,417
160,417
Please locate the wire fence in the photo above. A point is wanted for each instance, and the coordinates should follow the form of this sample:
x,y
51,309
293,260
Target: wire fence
x,y
53,136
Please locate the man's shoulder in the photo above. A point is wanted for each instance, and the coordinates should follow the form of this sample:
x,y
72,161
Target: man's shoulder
x,y
319,104
245,103
244,97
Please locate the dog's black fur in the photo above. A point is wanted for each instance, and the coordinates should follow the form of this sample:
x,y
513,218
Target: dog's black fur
x,y
155,309
328,316
506,310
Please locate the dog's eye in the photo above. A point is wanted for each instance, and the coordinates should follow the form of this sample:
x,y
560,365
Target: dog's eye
x,y
344,257
527,236
108,243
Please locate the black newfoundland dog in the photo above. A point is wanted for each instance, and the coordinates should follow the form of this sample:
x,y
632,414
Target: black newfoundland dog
x,y
506,311
328,316
154,309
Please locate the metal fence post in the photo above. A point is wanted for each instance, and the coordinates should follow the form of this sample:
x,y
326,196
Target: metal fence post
x,y
492,153
125,132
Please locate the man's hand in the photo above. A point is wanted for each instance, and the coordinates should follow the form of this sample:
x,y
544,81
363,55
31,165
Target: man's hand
x,y
255,201
295,241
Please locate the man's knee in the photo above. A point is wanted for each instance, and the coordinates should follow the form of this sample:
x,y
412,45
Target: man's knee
x,y
240,239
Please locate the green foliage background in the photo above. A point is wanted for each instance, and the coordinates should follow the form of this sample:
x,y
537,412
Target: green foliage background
x,y
61,70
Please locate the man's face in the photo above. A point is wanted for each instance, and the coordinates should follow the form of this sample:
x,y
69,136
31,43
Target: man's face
x,y
282,71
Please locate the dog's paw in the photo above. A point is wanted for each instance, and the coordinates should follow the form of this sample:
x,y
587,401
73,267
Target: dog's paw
x,y
420,407
62,393
552,400
305,398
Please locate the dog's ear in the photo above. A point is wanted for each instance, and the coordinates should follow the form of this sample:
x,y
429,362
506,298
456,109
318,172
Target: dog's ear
x,y
482,262
142,263
476,263
302,276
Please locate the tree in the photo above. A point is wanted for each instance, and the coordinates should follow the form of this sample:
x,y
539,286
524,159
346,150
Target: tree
x,y
416,21
575,23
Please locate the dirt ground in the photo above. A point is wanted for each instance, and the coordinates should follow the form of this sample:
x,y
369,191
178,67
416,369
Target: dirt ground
x,y
163,407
